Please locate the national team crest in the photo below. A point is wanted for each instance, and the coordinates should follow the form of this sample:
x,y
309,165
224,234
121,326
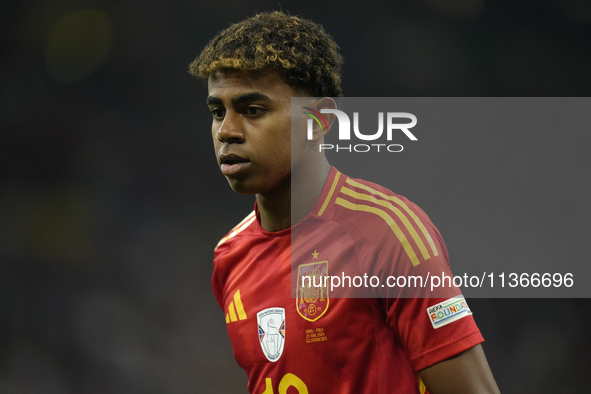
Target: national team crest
x,y
271,327
312,292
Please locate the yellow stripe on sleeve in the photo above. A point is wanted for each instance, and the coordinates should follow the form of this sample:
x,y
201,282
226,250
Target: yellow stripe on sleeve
x,y
401,204
388,219
398,212
239,227
331,191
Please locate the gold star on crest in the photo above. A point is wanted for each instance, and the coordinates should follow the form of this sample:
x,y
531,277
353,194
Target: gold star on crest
x,y
315,254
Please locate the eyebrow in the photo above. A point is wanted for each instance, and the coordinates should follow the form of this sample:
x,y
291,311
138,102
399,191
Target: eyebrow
x,y
254,96
212,100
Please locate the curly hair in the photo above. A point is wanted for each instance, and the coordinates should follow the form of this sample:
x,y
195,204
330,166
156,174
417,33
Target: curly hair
x,y
305,55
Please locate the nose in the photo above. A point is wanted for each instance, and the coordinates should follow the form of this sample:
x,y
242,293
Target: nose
x,y
230,131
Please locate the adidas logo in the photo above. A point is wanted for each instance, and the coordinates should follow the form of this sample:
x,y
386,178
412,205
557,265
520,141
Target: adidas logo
x,y
235,309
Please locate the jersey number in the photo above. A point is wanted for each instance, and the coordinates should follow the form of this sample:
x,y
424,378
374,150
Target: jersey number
x,y
289,380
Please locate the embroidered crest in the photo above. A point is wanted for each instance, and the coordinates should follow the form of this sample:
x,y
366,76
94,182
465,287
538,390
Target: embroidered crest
x,y
271,330
312,292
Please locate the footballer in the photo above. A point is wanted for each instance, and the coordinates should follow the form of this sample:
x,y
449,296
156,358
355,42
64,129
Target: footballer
x,y
315,343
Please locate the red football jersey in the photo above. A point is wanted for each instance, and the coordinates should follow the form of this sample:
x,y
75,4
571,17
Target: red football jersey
x,y
295,338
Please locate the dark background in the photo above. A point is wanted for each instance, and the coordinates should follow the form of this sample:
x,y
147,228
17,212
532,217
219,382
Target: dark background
x,y
111,201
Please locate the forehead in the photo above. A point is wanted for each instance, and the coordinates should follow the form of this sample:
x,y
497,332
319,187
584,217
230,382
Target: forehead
x,y
231,83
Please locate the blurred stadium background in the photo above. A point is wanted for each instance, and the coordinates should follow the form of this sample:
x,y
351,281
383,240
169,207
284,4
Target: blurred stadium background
x,y
111,200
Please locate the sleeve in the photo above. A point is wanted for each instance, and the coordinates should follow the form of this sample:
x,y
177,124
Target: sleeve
x,y
426,344
217,278
432,324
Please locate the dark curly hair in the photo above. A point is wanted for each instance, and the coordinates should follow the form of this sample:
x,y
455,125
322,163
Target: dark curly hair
x,y
306,56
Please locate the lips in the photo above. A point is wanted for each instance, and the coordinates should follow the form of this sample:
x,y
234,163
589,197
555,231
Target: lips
x,y
231,163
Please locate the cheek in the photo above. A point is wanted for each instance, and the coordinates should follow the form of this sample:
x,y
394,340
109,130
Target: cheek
x,y
217,144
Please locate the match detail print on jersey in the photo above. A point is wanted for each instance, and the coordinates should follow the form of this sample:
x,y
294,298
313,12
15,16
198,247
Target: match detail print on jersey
x,y
271,331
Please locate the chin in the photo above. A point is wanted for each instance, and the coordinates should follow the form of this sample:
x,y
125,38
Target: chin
x,y
242,187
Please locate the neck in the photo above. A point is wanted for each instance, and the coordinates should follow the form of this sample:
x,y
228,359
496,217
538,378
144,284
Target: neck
x,y
304,186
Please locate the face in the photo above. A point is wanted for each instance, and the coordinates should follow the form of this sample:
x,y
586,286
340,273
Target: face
x,y
251,129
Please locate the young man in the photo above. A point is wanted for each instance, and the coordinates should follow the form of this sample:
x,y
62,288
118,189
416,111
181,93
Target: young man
x,y
314,343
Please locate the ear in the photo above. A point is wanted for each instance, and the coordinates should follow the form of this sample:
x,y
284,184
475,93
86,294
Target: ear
x,y
322,122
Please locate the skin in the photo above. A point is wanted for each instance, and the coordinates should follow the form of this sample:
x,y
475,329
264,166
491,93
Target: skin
x,y
251,114
251,123
467,372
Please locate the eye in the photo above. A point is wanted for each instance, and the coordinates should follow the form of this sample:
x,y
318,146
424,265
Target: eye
x,y
218,113
254,112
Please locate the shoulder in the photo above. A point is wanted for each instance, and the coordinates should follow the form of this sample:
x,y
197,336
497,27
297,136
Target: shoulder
x,y
385,219
240,230
367,203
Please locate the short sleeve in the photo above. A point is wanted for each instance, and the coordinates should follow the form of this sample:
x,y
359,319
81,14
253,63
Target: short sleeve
x,y
435,324
432,323
425,343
